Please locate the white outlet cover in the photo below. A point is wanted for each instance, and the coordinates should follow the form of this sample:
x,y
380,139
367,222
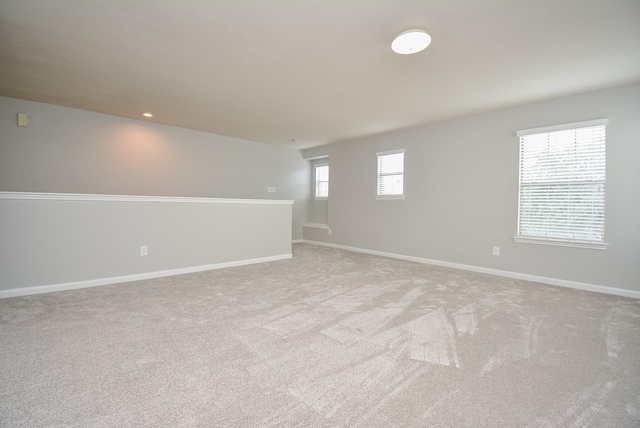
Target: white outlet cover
x,y
271,189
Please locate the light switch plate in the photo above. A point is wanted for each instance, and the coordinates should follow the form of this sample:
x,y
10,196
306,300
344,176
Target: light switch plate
x,y
23,119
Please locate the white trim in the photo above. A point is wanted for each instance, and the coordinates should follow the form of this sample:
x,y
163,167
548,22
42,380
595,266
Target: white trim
x,y
316,225
388,197
316,157
297,241
26,291
136,198
507,274
562,127
390,152
561,242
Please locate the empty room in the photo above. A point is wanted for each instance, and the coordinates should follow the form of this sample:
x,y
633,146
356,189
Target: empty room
x,y
364,213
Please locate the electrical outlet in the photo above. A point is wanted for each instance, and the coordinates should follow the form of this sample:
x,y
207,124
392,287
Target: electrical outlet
x,y
271,190
496,251
144,250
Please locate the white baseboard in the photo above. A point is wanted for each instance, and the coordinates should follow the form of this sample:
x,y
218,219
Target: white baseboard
x,y
26,291
508,274
297,241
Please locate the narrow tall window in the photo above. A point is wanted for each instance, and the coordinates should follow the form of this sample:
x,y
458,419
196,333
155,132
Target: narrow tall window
x,y
562,185
322,181
391,174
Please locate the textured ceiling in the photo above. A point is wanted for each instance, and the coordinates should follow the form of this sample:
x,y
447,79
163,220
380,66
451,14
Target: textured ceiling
x,y
319,71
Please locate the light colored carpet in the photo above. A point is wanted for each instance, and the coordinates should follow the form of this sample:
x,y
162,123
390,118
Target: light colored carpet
x,y
327,339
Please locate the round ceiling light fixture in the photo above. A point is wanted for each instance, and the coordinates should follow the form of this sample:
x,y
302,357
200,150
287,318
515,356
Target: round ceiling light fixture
x,y
410,42
147,114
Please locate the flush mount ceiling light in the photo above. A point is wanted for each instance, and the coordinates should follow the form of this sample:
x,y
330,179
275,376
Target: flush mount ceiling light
x,y
147,114
410,42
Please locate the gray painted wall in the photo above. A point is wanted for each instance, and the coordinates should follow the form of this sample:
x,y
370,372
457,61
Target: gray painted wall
x,y
65,150
52,242
461,186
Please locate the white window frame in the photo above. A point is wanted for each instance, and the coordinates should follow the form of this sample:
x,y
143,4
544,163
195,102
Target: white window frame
x,y
550,239
388,196
316,181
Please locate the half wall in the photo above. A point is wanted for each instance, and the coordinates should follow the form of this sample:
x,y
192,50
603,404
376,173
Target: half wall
x,y
54,241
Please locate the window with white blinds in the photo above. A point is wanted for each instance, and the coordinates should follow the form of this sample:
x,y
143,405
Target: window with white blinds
x,y
322,181
391,174
562,185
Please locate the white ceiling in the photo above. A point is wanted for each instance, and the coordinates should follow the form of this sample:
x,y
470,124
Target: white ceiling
x,y
319,71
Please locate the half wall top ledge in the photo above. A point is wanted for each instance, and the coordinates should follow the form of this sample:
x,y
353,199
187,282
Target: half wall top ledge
x,y
135,198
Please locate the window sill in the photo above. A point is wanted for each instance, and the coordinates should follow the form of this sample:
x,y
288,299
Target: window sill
x,y
319,198
316,225
594,245
389,197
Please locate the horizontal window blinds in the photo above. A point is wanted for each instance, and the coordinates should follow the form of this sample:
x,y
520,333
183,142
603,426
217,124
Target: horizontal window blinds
x,y
391,173
322,181
562,184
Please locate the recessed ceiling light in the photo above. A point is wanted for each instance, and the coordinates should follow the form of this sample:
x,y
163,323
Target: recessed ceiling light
x,y
147,114
410,42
